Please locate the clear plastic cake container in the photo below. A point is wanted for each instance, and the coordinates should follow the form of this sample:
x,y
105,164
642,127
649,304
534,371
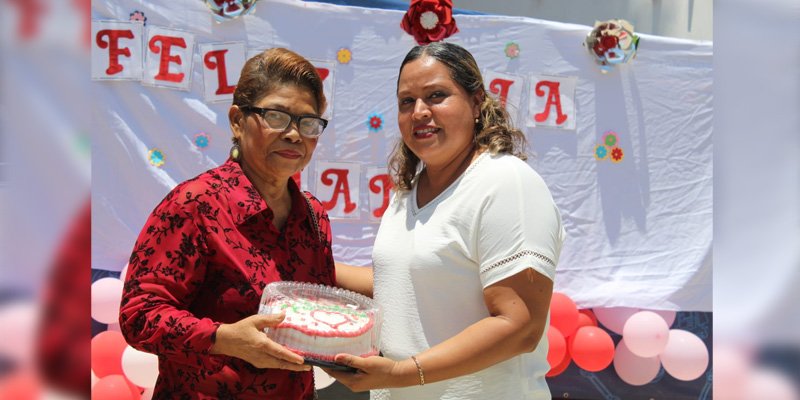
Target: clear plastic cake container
x,y
322,321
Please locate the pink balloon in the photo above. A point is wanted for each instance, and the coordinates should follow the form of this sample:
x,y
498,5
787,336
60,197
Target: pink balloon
x,y
107,349
614,318
685,357
592,348
632,369
645,334
557,346
669,316
563,314
115,387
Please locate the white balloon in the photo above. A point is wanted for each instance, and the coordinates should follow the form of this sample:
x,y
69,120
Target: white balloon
x,y
685,357
139,367
614,318
123,273
147,394
632,369
322,379
768,383
106,295
18,324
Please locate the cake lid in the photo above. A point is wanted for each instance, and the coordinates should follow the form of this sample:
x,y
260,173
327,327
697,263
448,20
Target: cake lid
x,y
316,292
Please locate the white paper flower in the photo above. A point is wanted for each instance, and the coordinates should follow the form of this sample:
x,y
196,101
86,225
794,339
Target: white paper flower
x,y
429,20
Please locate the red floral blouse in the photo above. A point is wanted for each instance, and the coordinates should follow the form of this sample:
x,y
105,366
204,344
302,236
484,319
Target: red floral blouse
x,y
202,259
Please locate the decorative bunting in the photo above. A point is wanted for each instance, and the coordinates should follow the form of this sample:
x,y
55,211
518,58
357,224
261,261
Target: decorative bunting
x,y
337,186
222,64
380,191
168,59
552,101
117,50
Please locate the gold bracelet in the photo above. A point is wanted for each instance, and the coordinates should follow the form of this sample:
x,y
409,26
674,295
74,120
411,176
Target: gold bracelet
x,y
419,369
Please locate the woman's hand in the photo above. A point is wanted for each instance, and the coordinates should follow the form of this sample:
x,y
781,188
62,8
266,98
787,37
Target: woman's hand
x,y
375,373
246,340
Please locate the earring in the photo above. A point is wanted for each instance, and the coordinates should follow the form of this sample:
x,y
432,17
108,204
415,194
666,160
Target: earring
x,y
477,120
236,152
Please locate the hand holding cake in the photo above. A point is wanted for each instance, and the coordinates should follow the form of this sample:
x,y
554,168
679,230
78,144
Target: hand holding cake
x,y
246,340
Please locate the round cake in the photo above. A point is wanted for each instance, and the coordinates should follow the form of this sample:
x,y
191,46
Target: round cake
x,y
322,321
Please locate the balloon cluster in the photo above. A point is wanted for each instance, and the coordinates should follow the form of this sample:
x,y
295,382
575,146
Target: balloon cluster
x,y
612,42
647,342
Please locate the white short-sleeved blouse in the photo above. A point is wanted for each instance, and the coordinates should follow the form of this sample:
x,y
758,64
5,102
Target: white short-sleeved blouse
x,y
431,265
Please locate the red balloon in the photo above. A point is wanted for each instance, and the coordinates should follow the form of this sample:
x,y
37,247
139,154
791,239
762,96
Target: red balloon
x,y
107,348
592,348
587,313
563,314
558,369
115,387
24,385
557,346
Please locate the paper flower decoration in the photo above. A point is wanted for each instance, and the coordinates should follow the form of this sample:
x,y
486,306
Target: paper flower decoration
x,y
201,140
156,157
600,152
612,42
375,122
429,20
224,10
617,154
138,16
512,50
610,139
344,55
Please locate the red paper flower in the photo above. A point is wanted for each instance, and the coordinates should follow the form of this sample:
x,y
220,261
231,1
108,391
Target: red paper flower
x,y
617,154
429,20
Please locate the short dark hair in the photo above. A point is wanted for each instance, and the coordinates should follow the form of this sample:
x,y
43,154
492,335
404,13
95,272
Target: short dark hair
x,y
275,67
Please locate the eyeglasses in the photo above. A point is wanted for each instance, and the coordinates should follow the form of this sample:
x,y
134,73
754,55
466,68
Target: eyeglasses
x,y
309,126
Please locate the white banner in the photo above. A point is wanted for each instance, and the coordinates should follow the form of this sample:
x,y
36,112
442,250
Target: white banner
x,y
638,221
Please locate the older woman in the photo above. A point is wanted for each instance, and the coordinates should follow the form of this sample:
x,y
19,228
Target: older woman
x,y
204,255
465,256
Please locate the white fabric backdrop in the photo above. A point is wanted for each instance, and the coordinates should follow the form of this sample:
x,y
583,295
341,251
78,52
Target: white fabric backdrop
x,y
639,231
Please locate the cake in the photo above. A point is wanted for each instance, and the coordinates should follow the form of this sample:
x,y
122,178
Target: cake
x,y
322,321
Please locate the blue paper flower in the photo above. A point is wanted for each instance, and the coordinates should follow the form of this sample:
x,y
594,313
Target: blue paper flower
x,y
375,122
201,140
600,152
156,157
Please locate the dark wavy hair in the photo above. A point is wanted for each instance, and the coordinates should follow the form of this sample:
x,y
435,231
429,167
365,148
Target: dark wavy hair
x,y
493,132
273,68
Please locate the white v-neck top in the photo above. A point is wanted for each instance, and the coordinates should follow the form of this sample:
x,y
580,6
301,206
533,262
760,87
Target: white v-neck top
x,y
432,263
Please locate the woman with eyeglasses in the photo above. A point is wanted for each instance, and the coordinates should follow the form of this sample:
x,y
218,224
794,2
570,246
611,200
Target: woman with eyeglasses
x,y
204,255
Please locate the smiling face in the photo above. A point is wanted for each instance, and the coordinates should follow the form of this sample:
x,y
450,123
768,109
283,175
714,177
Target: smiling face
x,y
435,114
268,154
